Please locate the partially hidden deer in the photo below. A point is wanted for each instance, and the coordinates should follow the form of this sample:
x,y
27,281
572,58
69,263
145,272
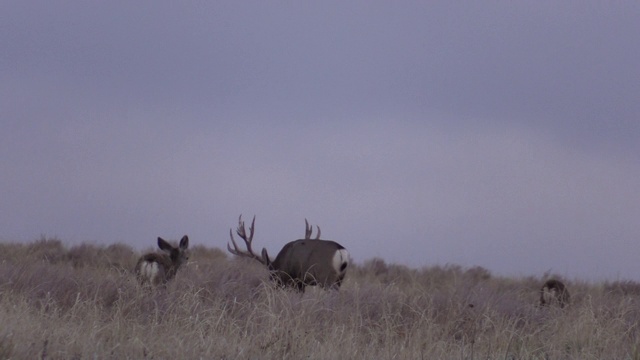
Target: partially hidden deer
x,y
158,268
554,292
300,263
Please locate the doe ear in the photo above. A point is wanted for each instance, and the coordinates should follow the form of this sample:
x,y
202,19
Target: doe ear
x,y
184,242
164,245
265,257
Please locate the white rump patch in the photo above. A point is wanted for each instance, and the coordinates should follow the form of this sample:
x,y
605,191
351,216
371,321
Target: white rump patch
x,y
550,295
149,270
341,261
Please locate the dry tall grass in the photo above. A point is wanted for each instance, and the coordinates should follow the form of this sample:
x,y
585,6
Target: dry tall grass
x,y
84,302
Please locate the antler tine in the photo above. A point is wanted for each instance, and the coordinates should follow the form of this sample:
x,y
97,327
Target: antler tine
x,y
253,223
308,230
247,240
235,250
243,234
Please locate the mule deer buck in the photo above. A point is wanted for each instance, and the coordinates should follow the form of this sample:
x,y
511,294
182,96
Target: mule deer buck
x,y
300,263
158,268
554,291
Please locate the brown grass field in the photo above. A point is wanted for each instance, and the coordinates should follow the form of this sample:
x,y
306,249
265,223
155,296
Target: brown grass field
x,y
83,302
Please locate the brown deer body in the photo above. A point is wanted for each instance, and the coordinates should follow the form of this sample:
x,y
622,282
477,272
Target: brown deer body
x,y
158,268
554,291
300,263
310,262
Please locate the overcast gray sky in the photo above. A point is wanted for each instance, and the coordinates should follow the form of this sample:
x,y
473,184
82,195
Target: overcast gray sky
x,y
503,135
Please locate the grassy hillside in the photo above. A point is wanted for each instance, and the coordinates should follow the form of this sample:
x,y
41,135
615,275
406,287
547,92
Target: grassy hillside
x,y
83,302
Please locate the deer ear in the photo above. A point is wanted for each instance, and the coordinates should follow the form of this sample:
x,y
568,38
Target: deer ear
x,y
265,257
164,245
184,242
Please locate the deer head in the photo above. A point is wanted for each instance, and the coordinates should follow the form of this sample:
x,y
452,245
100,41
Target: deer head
x,y
300,263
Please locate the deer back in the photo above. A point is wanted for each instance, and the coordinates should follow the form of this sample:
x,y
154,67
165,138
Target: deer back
x,y
158,268
311,262
154,268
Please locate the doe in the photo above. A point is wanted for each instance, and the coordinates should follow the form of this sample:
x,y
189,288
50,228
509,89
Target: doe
x,y
554,291
158,268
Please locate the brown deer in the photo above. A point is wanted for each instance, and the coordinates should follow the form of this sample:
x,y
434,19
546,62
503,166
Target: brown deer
x,y
158,268
300,263
554,291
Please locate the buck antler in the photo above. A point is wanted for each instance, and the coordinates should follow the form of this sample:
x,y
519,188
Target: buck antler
x,y
309,229
300,263
243,234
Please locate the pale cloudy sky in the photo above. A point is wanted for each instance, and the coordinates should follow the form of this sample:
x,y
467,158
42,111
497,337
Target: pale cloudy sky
x,y
503,135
